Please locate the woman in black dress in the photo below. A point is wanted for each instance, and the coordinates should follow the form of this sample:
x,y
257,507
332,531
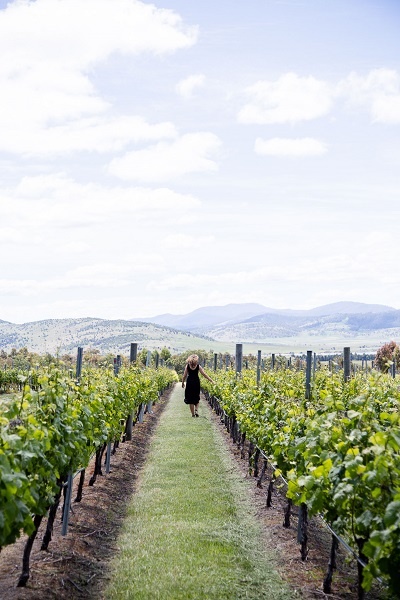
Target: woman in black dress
x,y
191,376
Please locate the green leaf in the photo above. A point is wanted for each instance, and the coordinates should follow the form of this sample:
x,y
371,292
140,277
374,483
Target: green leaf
x,y
352,414
392,513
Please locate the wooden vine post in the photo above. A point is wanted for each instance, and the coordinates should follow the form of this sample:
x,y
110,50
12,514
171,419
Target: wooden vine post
x,y
327,585
79,357
227,362
133,353
116,366
308,374
239,358
346,364
258,367
67,505
129,421
148,358
302,530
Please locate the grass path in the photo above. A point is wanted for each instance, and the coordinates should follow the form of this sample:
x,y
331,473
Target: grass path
x,y
190,532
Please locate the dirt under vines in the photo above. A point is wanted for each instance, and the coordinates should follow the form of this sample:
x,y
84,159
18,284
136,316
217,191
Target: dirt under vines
x,y
76,566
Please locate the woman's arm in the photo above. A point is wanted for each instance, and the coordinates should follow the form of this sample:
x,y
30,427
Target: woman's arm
x,y
202,371
184,376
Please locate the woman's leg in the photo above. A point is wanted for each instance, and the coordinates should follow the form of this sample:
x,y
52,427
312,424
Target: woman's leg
x,y
196,406
192,409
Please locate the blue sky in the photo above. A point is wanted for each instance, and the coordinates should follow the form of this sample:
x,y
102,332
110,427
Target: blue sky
x,y
161,157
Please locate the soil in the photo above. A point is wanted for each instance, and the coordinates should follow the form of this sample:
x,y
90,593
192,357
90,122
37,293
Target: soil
x,y
76,566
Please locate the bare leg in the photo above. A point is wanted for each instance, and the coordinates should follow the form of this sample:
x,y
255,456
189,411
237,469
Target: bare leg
x,y
192,409
196,406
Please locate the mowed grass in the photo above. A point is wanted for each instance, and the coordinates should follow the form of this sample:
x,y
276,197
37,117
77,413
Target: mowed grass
x,y
190,531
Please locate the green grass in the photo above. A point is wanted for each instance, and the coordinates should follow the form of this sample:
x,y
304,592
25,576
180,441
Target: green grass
x,y
190,531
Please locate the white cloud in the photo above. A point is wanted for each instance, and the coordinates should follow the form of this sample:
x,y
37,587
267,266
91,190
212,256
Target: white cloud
x,y
97,29
286,147
378,92
186,87
182,240
37,203
97,275
34,287
167,161
355,269
49,52
95,134
290,99
10,234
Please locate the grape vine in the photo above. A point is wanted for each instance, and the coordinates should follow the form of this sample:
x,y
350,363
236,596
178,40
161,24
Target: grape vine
x,y
53,429
339,450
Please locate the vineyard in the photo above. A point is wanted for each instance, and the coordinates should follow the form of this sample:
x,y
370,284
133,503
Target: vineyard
x,y
336,447
329,439
51,429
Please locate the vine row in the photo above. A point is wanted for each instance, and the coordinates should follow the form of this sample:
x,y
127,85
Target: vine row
x,y
338,448
52,430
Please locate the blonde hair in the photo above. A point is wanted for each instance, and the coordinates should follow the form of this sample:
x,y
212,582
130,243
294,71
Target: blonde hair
x,y
192,358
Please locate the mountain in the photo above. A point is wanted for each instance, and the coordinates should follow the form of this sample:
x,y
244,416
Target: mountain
x,y
212,327
322,327
349,308
65,335
208,316
204,319
328,325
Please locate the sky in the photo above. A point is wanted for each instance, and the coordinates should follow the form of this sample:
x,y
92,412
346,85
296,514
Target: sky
x,y
159,157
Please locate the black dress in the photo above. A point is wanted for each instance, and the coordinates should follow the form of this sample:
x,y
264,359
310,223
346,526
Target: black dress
x,y
192,389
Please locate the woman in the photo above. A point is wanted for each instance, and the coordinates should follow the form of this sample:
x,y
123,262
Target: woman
x,y
192,391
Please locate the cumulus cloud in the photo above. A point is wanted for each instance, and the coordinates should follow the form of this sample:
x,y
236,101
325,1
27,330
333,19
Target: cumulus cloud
x,y
286,147
186,87
63,203
166,161
94,134
378,92
290,99
29,29
49,52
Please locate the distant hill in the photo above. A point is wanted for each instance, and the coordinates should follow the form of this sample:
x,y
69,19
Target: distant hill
x,y
65,335
271,326
203,320
349,308
212,327
208,316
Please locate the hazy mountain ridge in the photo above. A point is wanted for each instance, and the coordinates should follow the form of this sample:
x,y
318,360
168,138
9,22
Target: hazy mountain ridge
x,y
269,326
207,316
208,328
208,319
